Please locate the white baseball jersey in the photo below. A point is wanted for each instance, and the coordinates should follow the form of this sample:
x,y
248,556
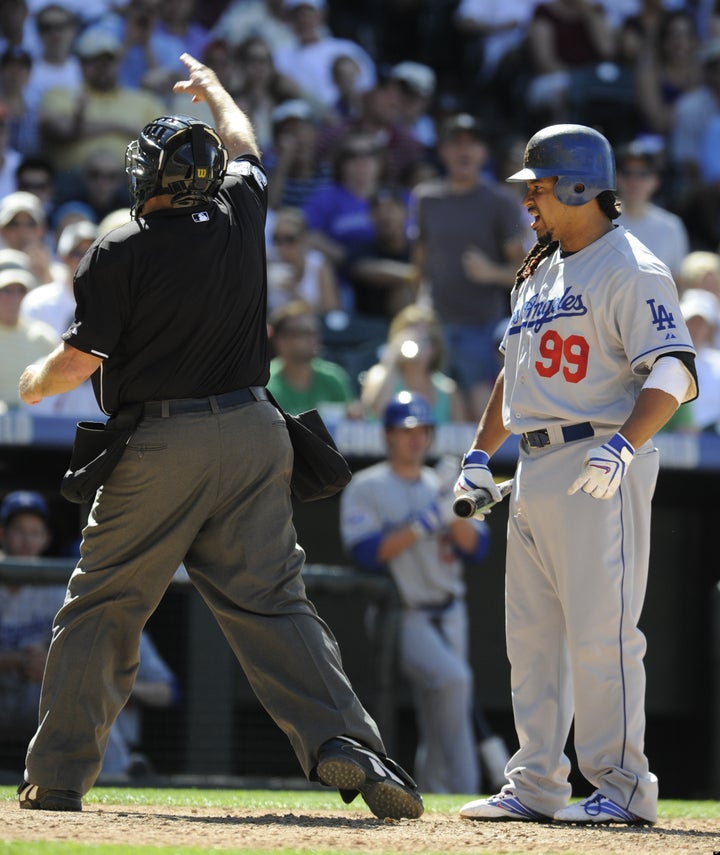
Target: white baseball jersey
x,y
584,333
378,501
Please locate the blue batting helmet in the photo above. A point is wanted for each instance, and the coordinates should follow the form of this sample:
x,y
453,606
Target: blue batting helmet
x,y
581,158
408,410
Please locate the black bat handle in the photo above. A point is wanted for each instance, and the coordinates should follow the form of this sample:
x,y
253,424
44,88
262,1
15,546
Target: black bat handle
x,y
465,506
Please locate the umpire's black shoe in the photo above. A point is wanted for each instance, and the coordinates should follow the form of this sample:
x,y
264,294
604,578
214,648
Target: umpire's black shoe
x,y
32,797
388,790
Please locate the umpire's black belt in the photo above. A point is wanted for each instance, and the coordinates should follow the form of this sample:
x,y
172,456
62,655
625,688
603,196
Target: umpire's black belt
x,y
211,404
557,434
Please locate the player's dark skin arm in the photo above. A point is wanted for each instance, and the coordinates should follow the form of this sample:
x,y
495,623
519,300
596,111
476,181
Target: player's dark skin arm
x,y
491,432
652,410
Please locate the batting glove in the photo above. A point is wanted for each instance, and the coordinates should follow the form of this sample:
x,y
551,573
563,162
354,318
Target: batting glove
x,y
604,468
433,520
476,473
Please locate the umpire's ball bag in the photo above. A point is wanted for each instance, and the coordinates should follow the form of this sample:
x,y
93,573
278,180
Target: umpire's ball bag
x,y
96,450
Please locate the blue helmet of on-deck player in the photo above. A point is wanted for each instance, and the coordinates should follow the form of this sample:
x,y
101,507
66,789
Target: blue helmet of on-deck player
x,y
408,410
581,158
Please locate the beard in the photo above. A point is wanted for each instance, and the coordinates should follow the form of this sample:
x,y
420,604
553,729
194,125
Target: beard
x,y
546,238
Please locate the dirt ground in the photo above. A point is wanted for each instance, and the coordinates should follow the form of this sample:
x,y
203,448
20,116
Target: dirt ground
x,y
349,831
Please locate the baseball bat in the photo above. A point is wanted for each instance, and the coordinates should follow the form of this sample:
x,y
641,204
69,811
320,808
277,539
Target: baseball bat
x,y
478,500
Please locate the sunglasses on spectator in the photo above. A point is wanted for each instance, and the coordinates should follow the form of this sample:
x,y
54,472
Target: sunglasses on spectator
x,y
53,26
286,238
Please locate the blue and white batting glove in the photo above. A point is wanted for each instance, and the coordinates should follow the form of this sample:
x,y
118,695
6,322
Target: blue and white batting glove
x,y
434,519
475,474
604,468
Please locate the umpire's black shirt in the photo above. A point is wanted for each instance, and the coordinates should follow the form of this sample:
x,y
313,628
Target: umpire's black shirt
x,y
175,303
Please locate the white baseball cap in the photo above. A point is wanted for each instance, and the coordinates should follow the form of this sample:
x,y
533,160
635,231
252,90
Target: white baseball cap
x,y
697,302
21,202
416,76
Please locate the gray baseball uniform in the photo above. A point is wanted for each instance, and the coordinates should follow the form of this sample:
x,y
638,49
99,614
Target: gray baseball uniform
x,y
584,333
433,626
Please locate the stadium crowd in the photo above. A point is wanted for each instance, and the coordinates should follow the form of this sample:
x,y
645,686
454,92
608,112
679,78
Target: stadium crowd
x,y
387,130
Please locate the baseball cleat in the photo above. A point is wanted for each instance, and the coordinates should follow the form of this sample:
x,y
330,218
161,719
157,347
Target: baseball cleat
x,y
32,797
503,807
387,789
598,810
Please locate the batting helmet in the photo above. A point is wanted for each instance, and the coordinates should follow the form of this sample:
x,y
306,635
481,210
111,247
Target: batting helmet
x,y
177,156
408,410
580,157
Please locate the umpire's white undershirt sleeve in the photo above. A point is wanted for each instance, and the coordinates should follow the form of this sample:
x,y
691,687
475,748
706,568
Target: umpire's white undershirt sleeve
x,y
671,375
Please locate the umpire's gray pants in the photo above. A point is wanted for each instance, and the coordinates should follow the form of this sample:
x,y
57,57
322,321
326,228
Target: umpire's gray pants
x,y
210,490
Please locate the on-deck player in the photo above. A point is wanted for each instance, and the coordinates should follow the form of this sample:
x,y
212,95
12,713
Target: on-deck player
x,y
597,359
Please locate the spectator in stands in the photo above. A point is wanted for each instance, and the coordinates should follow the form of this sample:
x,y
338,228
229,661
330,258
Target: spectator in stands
x,y
102,183
700,269
148,56
9,157
382,120
263,18
701,311
295,169
15,65
416,84
36,175
26,618
295,270
639,32
381,274
564,36
639,176
26,614
299,378
104,115
693,112
15,25
468,243
667,68
56,65
413,359
309,62
54,304
21,342
338,213
396,516
262,88
348,105
492,28
23,226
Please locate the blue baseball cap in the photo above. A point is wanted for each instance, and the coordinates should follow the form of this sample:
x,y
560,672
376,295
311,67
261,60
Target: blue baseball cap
x,y
23,501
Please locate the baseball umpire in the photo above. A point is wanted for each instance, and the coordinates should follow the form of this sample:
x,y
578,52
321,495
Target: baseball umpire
x,y
597,359
171,315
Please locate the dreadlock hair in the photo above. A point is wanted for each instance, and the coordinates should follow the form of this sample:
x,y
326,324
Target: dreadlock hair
x,y
608,203
532,259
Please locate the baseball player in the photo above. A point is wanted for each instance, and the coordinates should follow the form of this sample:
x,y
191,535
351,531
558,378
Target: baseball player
x,y
597,359
397,514
171,315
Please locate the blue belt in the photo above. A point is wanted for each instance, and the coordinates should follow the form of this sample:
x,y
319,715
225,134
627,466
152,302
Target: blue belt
x,y
211,404
541,438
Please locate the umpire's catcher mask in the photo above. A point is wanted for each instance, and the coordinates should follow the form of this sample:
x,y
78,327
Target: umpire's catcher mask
x,y
176,156
580,157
